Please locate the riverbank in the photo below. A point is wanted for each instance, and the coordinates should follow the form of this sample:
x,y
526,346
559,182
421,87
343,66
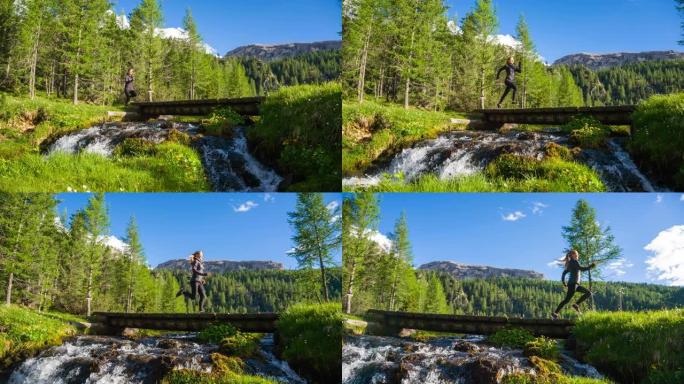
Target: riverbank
x,y
389,149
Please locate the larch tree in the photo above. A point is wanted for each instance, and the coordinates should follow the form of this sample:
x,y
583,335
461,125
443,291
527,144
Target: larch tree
x,y
146,21
194,42
484,23
360,217
317,235
528,56
594,243
400,258
97,225
134,259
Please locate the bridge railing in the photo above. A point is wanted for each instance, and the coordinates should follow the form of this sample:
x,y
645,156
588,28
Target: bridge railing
x,y
389,322
610,115
246,106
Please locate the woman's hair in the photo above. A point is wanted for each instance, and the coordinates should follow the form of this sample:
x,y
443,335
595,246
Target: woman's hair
x,y
568,256
130,70
510,59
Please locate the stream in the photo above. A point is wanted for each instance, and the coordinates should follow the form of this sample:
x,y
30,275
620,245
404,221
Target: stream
x,y
115,360
445,360
463,153
227,162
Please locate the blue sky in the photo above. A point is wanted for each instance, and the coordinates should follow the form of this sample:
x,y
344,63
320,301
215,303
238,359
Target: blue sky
x,y
561,27
228,24
505,230
224,226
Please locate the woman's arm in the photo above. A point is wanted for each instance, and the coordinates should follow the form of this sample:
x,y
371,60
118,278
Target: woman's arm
x,y
565,272
584,269
500,70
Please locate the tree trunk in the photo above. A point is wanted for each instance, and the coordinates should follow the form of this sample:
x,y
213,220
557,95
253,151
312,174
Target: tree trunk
x,y
350,289
34,63
364,62
8,293
323,280
89,289
130,286
593,307
393,291
482,87
78,58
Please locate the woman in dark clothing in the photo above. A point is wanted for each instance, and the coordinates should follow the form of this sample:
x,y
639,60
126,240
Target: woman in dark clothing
x,y
573,267
196,281
129,88
510,69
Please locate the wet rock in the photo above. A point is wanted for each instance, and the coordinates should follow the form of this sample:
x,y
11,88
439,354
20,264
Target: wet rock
x,y
405,332
78,370
168,344
466,346
484,371
527,136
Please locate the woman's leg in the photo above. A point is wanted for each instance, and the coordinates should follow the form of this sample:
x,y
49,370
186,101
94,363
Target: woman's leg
x,y
202,296
515,90
568,297
585,296
508,89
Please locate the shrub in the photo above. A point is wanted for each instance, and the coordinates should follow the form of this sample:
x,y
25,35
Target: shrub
x,y
557,151
658,138
240,344
511,337
633,346
176,136
311,337
225,364
300,134
542,347
187,376
587,132
135,147
217,332
222,121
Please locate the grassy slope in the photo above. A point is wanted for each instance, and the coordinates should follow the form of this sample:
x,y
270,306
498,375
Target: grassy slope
x,y
372,130
24,124
24,332
392,128
634,347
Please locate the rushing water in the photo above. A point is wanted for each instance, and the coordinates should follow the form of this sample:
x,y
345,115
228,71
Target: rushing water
x,y
113,360
467,152
447,360
228,163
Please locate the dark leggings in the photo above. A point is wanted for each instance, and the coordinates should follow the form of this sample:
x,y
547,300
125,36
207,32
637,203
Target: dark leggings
x,y
509,86
572,288
197,287
129,95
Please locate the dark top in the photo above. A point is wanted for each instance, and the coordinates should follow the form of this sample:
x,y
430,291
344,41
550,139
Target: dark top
x,y
573,267
129,83
510,71
197,271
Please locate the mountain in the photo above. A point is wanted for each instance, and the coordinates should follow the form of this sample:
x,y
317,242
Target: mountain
x,y
222,266
596,61
463,271
277,52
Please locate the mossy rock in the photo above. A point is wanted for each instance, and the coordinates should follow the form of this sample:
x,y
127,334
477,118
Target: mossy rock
x,y
511,337
241,344
542,347
225,364
135,147
176,136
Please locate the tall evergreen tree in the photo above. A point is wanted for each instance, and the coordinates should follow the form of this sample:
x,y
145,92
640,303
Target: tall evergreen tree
x,y
316,235
97,225
594,243
146,20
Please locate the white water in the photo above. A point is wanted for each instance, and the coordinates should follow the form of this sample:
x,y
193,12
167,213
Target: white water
x,y
372,359
228,163
465,153
110,360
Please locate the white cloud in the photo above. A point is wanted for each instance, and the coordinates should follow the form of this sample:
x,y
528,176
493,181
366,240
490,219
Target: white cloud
x,y
556,263
513,216
453,27
332,205
182,34
667,262
245,207
383,241
618,266
659,198
538,208
269,198
681,198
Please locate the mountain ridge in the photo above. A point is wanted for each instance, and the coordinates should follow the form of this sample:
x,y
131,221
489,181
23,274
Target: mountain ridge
x,y
221,266
271,52
466,271
607,60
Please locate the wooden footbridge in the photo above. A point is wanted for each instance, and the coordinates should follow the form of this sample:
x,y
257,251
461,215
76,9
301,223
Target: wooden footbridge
x,y
115,323
391,323
616,115
246,106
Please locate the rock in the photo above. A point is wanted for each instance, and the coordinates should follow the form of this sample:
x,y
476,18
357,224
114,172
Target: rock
x,y
78,370
466,346
408,364
527,136
595,62
405,332
463,271
484,371
168,344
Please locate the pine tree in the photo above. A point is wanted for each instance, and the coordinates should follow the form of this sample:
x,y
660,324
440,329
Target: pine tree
x,y
97,225
594,244
146,19
401,257
435,301
484,24
134,260
528,56
316,235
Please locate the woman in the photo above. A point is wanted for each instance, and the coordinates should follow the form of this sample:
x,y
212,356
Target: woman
x,y
197,280
573,268
510,69
129,88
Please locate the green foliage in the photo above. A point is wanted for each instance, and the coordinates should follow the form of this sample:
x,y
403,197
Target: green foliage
x,y
187,376
547,372
217,332
134,146
311,337
542,347
25,332
587,132
222,121
372,129
659,138
511,337
300,132
632,346
240,344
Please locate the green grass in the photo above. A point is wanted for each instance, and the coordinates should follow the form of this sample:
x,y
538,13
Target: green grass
x,y
171,166
658,140
510,337
311,337
373,129
299,134
634,347
25,332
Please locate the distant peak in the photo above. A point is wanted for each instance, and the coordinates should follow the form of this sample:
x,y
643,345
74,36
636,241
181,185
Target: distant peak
x,y
271,52
466,271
